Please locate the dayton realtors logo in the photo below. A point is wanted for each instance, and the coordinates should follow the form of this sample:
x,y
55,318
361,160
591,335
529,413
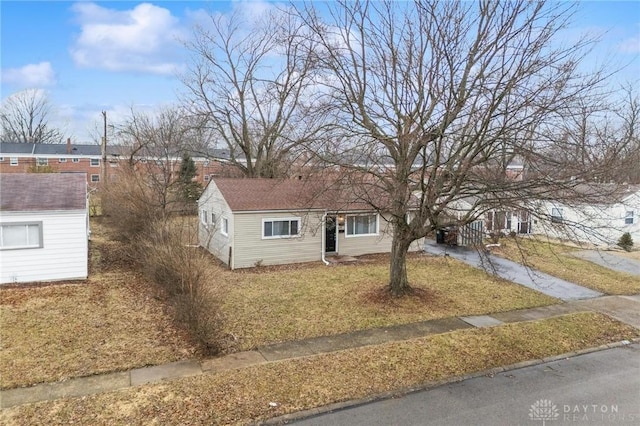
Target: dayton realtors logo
x,y
543,410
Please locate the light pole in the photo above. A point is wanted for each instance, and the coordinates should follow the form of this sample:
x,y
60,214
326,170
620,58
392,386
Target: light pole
x,y
104,149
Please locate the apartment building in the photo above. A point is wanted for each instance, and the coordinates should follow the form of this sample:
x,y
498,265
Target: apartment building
x,y
85,158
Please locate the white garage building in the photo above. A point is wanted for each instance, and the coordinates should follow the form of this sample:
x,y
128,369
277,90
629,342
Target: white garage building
x,y
43,227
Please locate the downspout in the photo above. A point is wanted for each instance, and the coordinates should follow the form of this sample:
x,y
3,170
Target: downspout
x,y
323,238
88,207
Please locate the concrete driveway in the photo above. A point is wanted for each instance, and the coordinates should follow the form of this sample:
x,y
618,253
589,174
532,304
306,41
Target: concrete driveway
x,y
610,260
515,272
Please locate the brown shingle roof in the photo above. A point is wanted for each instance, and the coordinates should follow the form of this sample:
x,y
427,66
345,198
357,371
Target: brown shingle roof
x,y
286,194
43,191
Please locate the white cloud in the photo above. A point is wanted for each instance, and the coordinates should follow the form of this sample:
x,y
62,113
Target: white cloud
x,y
143,39
31,75
253,9
630,45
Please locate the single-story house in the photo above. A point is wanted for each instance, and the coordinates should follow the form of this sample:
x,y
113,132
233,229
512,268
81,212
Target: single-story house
x,y
252,222
44,227
601,222
495,220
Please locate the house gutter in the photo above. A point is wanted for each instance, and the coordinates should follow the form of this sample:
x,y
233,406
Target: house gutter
x,y
323,238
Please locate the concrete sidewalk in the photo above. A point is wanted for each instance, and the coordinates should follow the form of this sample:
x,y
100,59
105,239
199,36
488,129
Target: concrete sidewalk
x,y
624,308
515,272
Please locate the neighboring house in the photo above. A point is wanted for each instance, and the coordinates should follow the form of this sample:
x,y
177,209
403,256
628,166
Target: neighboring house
x,y
505,221
252,222
76,158
600,223
43,227
501,221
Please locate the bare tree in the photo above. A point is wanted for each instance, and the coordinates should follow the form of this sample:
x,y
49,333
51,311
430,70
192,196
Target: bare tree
x,y
155,144
251,84
435,99
602,135
25,116
627,136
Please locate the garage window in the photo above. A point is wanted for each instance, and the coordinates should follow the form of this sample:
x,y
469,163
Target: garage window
x,y
20,235
628,217
557,215
225,227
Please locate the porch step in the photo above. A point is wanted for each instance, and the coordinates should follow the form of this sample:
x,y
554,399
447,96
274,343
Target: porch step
x,y
341,259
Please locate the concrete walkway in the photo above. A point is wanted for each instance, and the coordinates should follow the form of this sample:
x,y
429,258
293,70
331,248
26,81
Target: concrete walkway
x,y
624,308
610,260
515,272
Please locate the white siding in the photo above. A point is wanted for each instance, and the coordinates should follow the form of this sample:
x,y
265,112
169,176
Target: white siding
x,y
371,244
64,252
600,225
250,249
210,235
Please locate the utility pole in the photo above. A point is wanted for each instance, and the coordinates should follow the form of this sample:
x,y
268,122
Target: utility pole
x,y
104,150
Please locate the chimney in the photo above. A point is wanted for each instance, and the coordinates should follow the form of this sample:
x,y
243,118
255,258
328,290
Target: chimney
x,y
68,146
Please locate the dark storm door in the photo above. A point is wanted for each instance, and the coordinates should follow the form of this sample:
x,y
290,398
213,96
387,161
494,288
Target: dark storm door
x,y
330,235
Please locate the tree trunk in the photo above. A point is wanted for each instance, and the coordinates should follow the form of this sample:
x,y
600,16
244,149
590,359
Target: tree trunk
x,y
398,282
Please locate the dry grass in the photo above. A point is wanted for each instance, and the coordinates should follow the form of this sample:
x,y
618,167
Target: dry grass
x,y
110,322
282,304
635,254
556,260
244,396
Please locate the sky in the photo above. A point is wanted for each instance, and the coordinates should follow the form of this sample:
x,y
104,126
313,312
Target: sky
x,y
113,56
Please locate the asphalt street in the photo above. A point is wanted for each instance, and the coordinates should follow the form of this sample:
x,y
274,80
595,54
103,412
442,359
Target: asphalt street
x,y
600,388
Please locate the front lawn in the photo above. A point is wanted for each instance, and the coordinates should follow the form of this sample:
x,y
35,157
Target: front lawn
x,y
110,322
247,395
117,320
293,303
556,259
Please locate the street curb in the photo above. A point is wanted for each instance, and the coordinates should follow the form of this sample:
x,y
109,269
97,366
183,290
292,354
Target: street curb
x,y
338,406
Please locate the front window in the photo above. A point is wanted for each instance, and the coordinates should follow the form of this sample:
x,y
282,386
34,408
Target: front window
x,y
13,161
280,228
95,162
42,162
556,215
95,178
76,160
62,160
21,235
628,218
365,224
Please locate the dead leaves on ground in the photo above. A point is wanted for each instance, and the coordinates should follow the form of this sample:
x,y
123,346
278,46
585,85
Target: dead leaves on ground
x,y
112,321
246,395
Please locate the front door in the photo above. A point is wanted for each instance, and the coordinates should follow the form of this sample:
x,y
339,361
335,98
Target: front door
x,y
330,234
524,222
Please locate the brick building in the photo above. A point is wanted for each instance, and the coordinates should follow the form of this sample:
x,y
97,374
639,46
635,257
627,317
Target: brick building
x,y
76,158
